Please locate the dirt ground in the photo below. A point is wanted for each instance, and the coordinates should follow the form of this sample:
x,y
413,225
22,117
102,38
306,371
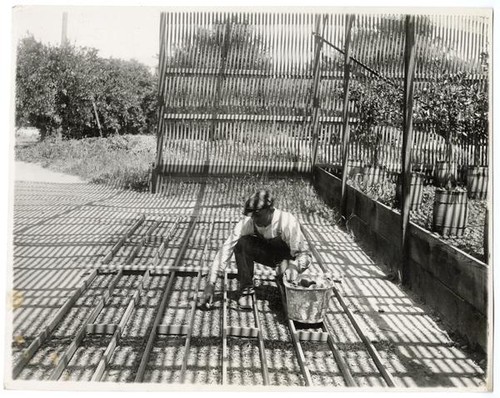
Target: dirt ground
x,y
32,172
62,227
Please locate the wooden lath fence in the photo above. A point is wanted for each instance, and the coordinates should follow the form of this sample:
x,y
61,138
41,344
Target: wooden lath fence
x,y
236,89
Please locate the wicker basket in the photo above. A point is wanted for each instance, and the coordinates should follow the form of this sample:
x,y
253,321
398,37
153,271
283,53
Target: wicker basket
x,y
307,304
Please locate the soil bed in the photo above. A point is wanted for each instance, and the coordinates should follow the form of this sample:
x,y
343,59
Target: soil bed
x,y
471,242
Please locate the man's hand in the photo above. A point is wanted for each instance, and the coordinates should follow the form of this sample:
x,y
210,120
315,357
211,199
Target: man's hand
x,y
206,298
303,263
292,272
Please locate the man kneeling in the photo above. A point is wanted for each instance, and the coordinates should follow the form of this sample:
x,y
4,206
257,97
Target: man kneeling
x,y
266,235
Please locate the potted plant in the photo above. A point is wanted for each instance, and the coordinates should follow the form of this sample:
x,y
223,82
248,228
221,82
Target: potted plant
x,y
443,105
416,189
477,126
377,104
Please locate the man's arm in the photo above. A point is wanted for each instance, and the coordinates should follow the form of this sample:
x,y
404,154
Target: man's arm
x,y
226,251
223,257
299,248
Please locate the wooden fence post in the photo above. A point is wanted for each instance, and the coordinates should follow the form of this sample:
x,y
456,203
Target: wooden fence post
x,y
345,112
160,132
221,75
318,46
218,88
407,141
97,118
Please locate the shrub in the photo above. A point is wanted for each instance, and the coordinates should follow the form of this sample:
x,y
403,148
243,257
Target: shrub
x,y
122,161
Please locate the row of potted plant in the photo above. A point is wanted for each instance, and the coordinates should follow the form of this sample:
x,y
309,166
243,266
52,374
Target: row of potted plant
x,y
450,205
456,107
453,106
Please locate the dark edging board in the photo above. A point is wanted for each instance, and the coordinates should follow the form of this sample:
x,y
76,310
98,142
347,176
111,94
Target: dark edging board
x,y
452,282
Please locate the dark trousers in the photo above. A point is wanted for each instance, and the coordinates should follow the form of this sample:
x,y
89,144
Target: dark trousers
x,y
251,248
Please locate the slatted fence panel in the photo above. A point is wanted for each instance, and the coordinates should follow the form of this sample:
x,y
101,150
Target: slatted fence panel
x,y
235,88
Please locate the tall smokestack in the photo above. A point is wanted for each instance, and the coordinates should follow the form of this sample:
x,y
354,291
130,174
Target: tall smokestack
x,y
64,34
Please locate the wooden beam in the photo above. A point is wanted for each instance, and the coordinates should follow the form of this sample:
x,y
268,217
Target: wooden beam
x,y
192,317
224,356
101,328
117,330
389,379
344,369
295,340
175,330
220,77
194,302
65,358
160,133
307,335
152,335
163,246
251,118
242,331
138,247
410,61
47,331
107,258
260,336
345,111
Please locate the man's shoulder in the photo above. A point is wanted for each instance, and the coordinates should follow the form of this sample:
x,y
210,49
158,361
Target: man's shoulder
x,y
286,216
246,222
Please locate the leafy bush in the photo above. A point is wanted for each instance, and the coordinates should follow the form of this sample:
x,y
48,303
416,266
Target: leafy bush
x,y
455,105
377,104
293,194
382,190
72,92
123,161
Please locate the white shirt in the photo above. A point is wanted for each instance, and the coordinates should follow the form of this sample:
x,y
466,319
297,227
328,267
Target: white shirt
x,y
282,224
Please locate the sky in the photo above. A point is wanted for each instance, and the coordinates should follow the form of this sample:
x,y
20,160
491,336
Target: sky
x,y
121,32
124,32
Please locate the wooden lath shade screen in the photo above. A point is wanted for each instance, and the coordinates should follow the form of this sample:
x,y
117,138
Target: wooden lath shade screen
x,y
236,89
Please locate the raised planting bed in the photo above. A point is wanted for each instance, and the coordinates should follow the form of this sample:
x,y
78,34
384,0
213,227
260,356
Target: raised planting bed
x,y
449,279
471,239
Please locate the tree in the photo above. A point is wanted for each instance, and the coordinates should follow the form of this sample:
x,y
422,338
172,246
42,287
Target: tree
x,y
63,90
35,87
376,104
246,48
456,107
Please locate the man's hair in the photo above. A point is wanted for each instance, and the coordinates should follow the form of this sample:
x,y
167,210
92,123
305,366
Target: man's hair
x,y
260,200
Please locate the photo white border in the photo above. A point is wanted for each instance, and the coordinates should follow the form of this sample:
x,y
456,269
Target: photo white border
x,y
7,145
